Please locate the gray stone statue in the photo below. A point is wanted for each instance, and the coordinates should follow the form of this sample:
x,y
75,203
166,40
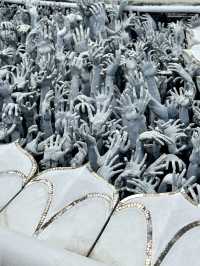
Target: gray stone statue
x,y
117,89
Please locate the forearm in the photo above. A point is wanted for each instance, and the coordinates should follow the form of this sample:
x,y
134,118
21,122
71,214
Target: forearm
x,y
193,170
75,84
93,156
164,184
153,88
122,7
187,77
46,126
194,166
85,88
30,120
139,149
158,109
95,80
12,128
34,19
3,101
134,128
60,39
172,149
43,92
16,133
110,32
184,115
109,81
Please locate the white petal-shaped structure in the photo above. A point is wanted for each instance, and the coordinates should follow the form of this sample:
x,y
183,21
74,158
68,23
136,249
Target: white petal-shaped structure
x,y
19,250
126,238
14,158
58,205
157,229
70,184
195,51
185,251
25,212
77,228
11,183
17,168
169,212
67,208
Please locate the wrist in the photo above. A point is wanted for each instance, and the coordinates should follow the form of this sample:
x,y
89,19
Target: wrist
x,y
75,75
96,68
194,157
149,76
172,148
46,116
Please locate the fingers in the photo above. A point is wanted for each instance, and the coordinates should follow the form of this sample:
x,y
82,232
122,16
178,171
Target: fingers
x,y
143,160
57,141
193,194
10,110
51,141
118,165
182,174
80,34
173,163
159,140
116,172
113,160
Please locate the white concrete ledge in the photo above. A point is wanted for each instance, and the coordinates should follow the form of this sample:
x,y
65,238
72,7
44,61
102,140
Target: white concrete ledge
x,y
174,8
165,8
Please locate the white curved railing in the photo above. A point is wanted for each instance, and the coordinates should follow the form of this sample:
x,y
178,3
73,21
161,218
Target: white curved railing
x,y
188,7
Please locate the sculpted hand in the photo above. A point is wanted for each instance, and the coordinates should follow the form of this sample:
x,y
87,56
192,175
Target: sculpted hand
x,y
97,20
194,193
5,130
174,161
32,146
80,157
10,110
46,105
84,104
99,119
53,150
21,76
136,167
177,68
146,185
81,39
157,167
110,168
176,181
175,131
156,136
119,143
5,89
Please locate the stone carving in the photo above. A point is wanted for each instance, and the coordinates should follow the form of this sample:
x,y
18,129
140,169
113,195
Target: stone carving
x,y
62,198
94,84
